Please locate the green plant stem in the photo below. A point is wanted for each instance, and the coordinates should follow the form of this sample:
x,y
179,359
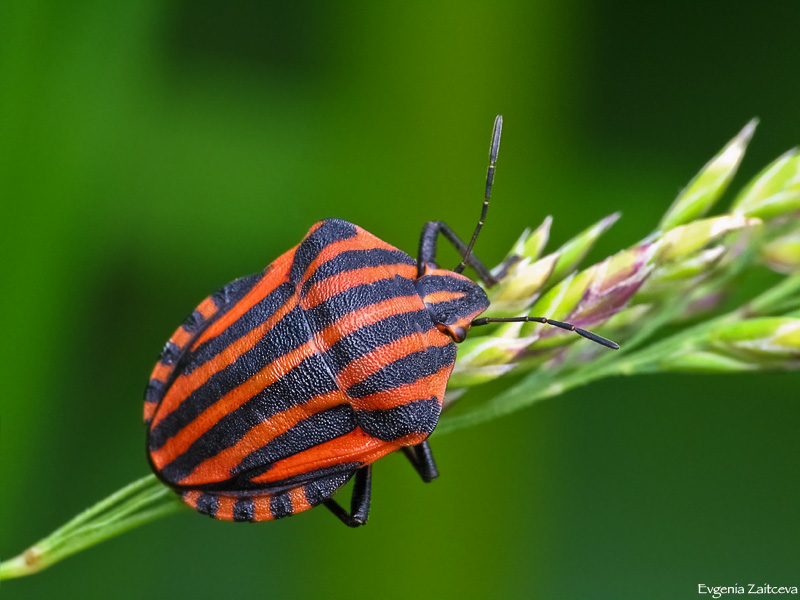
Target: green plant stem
x,y
144,500
782,297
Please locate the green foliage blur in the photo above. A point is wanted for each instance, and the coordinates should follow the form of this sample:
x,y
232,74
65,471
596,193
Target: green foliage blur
x,y
150,152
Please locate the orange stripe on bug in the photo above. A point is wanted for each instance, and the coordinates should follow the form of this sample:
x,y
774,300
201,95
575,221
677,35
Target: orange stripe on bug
x,y
363,240
368,315
299,500
274,276
161,371
262,510
207,308
320,292
191,497
356,446
149,410
179,443
425,387
442,296
186,384
181,337
225,507
218,468
372,362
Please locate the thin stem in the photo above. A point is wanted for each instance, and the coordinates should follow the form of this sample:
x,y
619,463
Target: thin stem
x,y
142,501
119,496
780,297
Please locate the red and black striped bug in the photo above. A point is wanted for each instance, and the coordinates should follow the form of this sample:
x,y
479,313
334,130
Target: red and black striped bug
x,y
283,385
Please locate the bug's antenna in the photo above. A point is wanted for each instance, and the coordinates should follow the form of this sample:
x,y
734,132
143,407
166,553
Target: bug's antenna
x,y
495,147
568,326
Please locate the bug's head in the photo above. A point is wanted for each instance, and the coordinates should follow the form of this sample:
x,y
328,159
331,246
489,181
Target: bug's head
x,y
452,300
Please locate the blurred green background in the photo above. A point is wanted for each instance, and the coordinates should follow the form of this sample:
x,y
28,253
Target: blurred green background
x,y
151,152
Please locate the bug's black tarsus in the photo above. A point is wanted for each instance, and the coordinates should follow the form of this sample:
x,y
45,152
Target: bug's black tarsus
x,y
422,460
494,149
560,324
359,503
501,270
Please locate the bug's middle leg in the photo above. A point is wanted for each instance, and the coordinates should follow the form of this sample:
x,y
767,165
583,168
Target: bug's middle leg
x,y
422,460
359,503
427,250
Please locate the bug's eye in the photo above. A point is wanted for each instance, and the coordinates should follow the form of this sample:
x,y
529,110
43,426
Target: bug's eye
x,y
458,333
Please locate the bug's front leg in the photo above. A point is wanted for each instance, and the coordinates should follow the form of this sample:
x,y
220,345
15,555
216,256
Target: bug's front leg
x,y
421,458
427,250
359,503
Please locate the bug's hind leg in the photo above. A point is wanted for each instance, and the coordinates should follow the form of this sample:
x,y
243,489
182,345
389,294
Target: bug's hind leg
x,y
427,250
359,503
422,460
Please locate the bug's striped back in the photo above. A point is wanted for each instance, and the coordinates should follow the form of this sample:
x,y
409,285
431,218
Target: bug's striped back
x,y
297,377
378,339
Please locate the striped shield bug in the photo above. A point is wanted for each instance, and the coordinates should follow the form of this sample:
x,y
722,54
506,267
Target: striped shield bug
x,y
283,385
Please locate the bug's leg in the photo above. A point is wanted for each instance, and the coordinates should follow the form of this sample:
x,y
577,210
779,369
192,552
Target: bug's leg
x,y
359,503
421,458
503,268
427,250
